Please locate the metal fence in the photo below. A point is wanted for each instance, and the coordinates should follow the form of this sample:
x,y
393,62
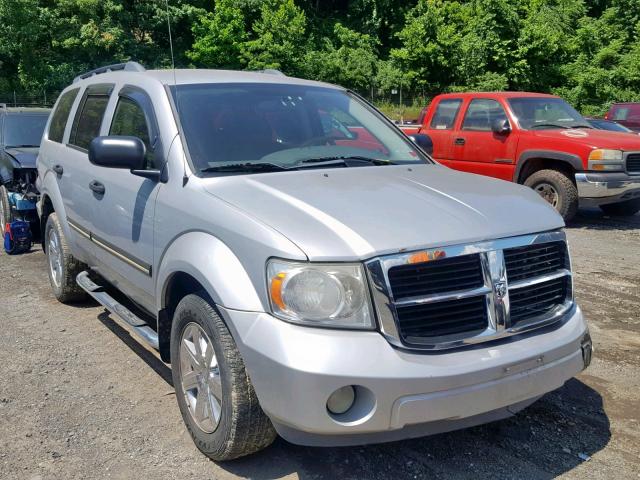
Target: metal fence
x,y
17,99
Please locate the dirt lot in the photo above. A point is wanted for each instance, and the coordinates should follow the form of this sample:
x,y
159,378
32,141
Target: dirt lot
x,y
79,398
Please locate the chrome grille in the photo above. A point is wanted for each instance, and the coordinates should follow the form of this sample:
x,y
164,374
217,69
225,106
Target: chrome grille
x,y
633,162
535,260
467,294
428,278
538,299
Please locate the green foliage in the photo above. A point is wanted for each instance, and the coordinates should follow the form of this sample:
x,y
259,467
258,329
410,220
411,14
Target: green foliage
x,y
585,50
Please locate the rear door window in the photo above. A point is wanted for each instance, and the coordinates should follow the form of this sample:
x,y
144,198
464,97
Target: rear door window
x,y
88,119
61,114
446,113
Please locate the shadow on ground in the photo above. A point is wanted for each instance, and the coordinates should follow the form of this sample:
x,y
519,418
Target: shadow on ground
x,y
549,438
595,219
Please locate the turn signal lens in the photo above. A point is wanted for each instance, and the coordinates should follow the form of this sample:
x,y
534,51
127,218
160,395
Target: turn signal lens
x,y
276,289
602,159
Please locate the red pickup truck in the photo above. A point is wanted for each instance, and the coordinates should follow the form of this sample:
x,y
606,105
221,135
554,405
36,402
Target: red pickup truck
x,y
537,140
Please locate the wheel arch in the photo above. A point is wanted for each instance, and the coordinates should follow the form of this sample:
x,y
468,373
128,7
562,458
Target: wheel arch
x,y
198,261
532,161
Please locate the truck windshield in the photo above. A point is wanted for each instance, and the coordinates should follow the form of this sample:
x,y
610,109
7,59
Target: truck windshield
x,y
24,130
546,113
284,126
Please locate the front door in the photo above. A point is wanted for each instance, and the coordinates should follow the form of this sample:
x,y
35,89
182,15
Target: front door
x,y
123,227
477,149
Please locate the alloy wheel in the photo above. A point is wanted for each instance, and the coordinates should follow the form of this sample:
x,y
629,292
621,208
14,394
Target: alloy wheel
x,y
54,253
200,378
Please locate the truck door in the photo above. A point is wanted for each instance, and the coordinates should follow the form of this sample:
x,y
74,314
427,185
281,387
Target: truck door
x,y
476,148
123,226
440,128
74,170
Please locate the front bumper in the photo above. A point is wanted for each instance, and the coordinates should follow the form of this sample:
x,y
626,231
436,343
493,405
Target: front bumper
x,y
400,394
596,189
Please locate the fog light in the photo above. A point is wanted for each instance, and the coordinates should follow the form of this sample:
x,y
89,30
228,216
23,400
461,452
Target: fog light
x,y
341,400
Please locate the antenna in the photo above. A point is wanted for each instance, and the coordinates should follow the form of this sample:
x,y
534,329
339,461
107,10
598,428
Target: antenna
x,y
185,178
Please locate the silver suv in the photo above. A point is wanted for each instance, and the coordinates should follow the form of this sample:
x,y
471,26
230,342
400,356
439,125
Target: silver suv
x,y
304,267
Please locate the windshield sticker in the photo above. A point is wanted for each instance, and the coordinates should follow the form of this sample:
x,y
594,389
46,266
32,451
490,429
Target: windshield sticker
x,y
574,133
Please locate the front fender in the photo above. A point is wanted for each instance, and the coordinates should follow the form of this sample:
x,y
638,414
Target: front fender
x,y
212,263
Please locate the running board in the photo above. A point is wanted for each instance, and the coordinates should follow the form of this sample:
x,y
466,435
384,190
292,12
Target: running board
x,y
98,292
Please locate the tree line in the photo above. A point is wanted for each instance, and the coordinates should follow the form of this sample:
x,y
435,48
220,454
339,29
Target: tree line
x,y
587,51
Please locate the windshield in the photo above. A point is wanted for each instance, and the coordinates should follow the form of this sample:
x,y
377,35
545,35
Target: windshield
x,y
546,113
288,126
24,130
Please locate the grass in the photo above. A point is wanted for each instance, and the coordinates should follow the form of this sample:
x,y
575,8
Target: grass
x,y
401,112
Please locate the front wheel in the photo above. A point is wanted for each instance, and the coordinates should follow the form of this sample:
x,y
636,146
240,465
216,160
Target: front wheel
x,y
5,208
557,189
630,207
215,395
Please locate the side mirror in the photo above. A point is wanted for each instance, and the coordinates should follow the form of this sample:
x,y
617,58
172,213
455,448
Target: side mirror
x,y
500,126
423,141
117,152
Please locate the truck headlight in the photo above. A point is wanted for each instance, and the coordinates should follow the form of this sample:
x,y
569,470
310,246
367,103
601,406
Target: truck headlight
x,y
605,160
320,294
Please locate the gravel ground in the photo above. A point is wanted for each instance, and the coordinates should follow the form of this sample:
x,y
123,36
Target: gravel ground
x,y
79,398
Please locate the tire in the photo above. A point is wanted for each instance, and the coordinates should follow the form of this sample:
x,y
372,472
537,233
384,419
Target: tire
x,y
5,209
557,189
62,266
630,207
241,428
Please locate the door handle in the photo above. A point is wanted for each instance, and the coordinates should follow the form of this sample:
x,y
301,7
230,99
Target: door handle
x,y
58,169
97,187
458,141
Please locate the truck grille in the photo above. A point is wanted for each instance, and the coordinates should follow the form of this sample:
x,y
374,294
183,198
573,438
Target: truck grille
x,y
535,260
539,299
504,287
633,162
428,278
440,319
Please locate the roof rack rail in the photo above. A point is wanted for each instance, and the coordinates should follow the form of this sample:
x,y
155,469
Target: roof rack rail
x,y
272,71
127,67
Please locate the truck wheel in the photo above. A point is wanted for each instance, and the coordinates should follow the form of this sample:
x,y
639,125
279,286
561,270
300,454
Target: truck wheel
x,y
557,189
63,267
217,401
5,209
630,207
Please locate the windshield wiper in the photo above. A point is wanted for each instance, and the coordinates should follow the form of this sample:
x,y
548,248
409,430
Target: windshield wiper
x,y
245,167
344,160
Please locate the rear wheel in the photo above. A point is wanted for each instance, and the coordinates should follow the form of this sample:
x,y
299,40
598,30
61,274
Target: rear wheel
x,y
557,189
630,207
63,267
217,401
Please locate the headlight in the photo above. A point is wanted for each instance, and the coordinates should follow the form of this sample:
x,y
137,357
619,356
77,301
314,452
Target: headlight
x,y
602,160
329,295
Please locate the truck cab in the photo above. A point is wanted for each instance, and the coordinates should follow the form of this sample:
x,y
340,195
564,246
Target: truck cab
x,y
540,141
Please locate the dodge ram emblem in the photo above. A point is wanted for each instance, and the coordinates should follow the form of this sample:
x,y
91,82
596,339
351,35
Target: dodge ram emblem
x,y
501,289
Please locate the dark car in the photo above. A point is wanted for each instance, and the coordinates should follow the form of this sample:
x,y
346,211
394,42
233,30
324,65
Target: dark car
x,y
21,130
627,114
610,125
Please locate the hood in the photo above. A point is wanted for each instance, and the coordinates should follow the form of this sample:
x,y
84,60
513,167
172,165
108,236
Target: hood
x,y
26,156
358,213
592,138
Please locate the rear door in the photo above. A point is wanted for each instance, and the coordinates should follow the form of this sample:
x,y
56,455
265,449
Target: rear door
x,y
440,128
476,148
123,229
